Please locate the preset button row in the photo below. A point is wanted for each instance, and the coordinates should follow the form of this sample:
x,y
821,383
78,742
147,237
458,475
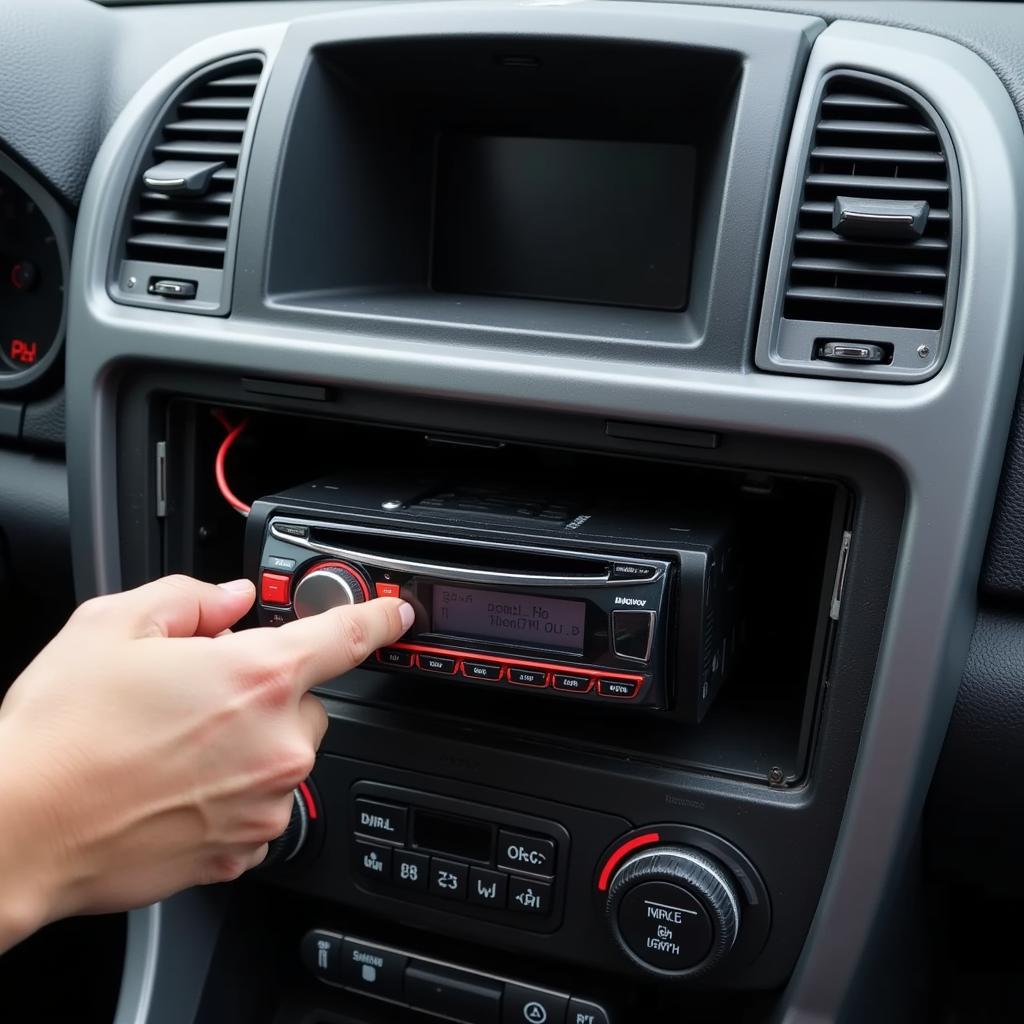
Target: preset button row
x,y
451,879
561,681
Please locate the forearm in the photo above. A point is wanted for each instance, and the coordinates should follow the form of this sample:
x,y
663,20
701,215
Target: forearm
x,y
28,876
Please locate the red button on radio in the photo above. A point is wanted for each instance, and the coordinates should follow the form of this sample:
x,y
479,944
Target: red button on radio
x,y
621,688
275,588
527,677
481,670
573,683
388,590
436,663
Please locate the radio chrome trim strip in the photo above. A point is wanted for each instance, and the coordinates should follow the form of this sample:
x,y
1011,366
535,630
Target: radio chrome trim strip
x,y
449,572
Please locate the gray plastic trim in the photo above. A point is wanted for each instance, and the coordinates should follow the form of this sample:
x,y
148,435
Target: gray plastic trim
x,y
946,435
169,951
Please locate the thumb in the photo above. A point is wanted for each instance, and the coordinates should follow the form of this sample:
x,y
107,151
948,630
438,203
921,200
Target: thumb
x,y
179,606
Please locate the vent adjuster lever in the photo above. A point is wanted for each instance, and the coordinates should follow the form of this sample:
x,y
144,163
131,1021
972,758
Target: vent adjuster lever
x,y
181,177
889,219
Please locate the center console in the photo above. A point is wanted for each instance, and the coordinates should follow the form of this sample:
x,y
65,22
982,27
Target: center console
x,y
643,349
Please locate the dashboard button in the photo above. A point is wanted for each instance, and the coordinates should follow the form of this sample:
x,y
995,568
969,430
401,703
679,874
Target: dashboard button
x,y
435,663
632,633
524,1005
373,860
632,571
527,677
292,529
381,821
621,688
457,995
395,657
275,588
481,670
448,878
321,953
529,896
487,888
410,870
171,288
372,969
284,564
566,683
388,590
582,1012
526,853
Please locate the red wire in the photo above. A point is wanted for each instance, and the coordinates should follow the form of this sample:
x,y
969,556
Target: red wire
x,y
218,466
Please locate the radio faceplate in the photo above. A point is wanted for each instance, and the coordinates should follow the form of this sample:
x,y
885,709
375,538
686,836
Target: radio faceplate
x,y
559,607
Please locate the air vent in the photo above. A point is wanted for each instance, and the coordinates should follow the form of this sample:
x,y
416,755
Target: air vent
x,y
874,230
187,184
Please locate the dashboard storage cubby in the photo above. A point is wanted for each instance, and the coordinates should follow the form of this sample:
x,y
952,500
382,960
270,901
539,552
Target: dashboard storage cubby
x,y
481,178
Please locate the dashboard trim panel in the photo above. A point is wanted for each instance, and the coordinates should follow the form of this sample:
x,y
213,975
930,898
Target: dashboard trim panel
x,y
946,435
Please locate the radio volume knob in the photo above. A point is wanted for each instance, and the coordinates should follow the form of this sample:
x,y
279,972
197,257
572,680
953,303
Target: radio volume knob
x,y
328,585
674,911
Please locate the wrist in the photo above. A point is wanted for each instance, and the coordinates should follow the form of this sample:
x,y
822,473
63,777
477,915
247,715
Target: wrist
x,y
29,873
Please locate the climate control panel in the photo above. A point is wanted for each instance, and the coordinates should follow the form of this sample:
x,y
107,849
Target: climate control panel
x,y
426,848
536,879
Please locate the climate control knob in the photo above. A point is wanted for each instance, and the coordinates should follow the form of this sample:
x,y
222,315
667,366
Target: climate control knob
x,y
328,585
674,910
289,843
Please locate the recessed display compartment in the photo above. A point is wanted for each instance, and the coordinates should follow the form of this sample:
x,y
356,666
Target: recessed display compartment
x,y
542,183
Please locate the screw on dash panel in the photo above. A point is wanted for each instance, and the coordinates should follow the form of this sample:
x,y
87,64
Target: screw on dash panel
x,y
776,776
924,351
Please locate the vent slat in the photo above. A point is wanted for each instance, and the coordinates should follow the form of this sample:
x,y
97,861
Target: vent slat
x,y
178,243
879,128
219,199
208,122
900,188
857,154
861,101
842,265
186,219
204,105
206,126
871,142
234,82
865,297
926,244
199,148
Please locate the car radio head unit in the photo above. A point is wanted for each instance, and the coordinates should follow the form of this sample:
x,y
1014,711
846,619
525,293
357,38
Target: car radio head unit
x,y
574,599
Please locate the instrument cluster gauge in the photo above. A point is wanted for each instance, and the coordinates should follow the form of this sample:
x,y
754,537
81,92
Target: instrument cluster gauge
x,y
35,242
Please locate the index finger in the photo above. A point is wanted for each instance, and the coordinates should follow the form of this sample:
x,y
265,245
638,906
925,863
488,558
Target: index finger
x,y
329,644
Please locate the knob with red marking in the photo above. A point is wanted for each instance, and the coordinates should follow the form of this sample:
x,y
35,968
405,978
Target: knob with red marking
x,y
303,826
673,910
328,585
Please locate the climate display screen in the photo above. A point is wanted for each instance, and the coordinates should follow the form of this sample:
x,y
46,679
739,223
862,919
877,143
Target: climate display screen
x,y
514,618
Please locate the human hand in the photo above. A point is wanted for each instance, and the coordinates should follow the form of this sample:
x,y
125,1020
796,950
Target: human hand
x,y
148,748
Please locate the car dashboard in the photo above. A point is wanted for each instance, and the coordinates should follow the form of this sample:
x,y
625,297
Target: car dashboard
x,y
665,357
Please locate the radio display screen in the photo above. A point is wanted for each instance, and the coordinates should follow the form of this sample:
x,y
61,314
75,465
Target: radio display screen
x,y
515,618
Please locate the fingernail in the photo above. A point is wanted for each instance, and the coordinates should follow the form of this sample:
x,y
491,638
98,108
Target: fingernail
x,y
236,586
407,614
